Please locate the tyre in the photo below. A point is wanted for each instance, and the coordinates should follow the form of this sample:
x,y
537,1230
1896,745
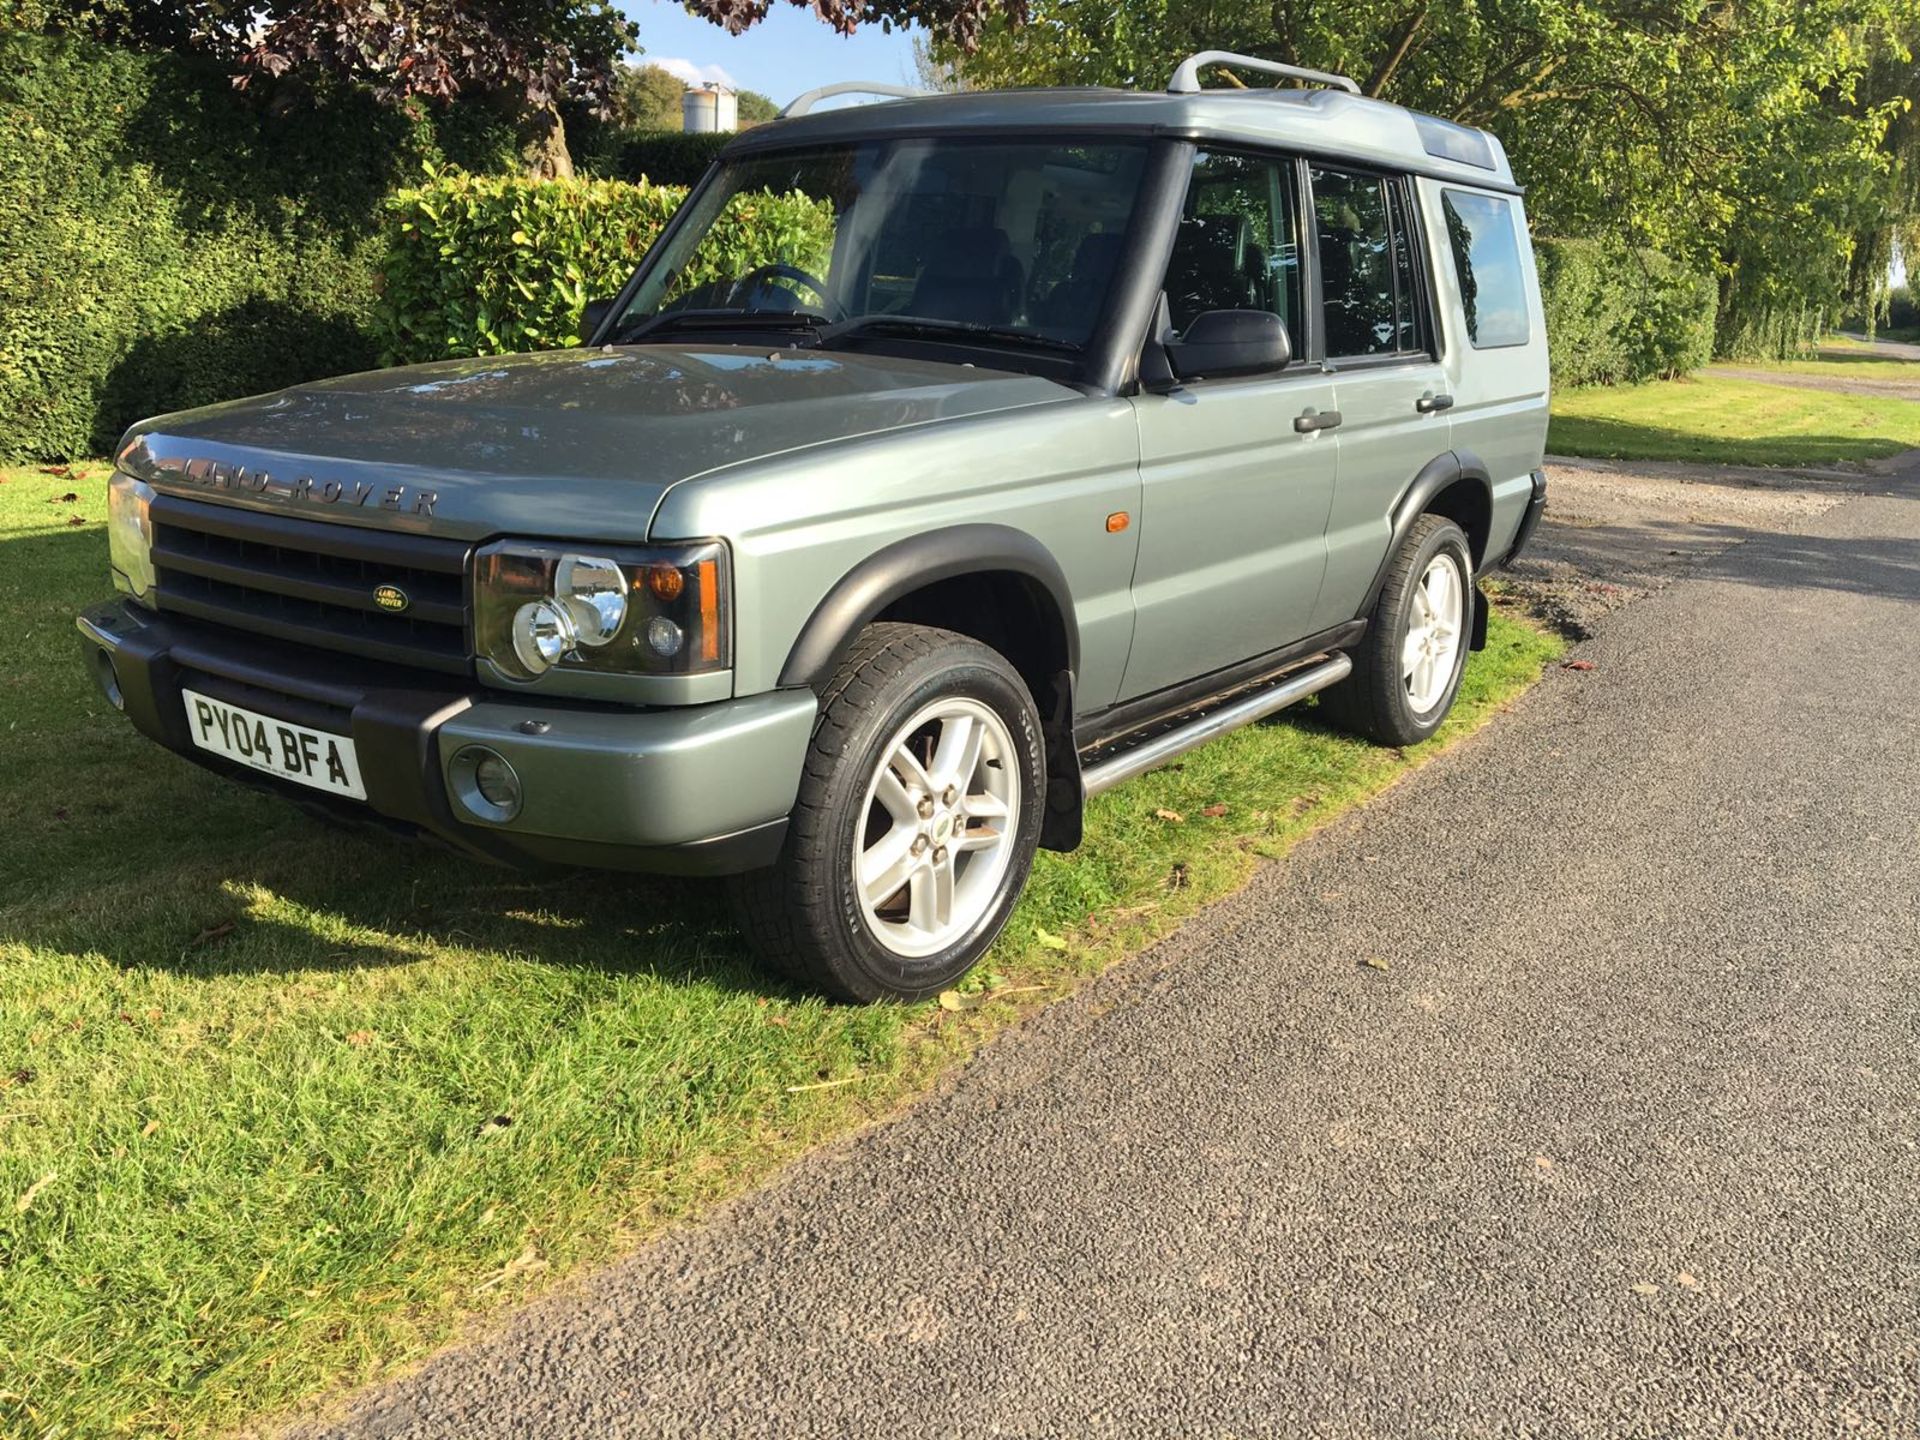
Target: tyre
x,y
916,823
1407,670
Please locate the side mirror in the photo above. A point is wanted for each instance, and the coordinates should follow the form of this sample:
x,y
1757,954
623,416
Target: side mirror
x,y
1231,342
591,318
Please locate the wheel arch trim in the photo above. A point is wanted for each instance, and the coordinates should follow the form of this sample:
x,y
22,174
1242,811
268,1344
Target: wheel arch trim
x,y
897,570
1437,476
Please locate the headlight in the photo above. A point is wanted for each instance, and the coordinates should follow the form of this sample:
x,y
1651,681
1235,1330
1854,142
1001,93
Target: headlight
x,y
130,534
655,611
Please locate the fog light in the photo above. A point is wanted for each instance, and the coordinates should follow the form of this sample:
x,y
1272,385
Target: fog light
x,y
664,636
485,783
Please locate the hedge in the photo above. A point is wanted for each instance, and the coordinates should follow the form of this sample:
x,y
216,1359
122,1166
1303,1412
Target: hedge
x,y
486,265
669,157
169,243
1617,316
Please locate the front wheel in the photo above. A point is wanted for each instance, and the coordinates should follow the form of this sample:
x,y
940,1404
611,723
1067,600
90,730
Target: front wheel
x,y
916,824
1407,669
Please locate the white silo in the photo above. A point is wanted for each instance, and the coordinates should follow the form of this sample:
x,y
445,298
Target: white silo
x,y
708,107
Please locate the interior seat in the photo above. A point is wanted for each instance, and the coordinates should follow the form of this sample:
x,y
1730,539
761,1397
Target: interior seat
x,y
971,276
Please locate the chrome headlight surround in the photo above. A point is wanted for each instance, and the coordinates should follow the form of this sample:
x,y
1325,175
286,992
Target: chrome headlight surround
x,y
573,618
130,535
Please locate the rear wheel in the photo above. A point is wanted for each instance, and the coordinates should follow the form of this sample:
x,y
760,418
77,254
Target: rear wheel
x,y
1407,670
916,823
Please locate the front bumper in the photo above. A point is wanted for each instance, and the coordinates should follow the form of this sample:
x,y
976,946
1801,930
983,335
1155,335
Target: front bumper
x,y
700,789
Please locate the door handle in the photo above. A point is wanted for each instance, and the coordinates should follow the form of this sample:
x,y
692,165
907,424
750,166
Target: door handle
x,y
1316,420
1429,403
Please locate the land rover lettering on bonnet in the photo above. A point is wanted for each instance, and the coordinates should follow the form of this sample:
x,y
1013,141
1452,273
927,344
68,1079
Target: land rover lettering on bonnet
x,y
1060,432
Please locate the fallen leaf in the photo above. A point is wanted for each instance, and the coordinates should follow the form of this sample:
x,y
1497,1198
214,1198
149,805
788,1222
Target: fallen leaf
x,y
954,1000
1541,1162
59,472
493,1125
780,1020
1683,1278
218,932
154,1016
76,520
1643,1288
66,499
1172,817
26,1196
150,1129
527,1260
1214,812
25,1075
1374,962
1576,665
1177,877
1048,940
359,1037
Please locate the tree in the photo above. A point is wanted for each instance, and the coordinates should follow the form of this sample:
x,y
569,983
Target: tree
x,y
648,98
755,108
525,55
956,22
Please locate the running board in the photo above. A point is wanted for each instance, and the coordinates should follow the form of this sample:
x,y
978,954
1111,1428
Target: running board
x,y
1215,723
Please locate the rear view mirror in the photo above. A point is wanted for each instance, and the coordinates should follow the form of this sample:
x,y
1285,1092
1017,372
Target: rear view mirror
x,y
590,318
1231,342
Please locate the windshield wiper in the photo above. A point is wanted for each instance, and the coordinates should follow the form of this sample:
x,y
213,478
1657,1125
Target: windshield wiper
x,y
722,320
911,325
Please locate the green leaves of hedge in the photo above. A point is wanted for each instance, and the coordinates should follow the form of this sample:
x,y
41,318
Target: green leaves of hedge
x,y
485,265
1616,316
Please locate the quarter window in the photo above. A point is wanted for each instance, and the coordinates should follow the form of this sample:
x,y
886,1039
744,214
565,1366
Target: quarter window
x,y
1369,283
1486,260
1237,247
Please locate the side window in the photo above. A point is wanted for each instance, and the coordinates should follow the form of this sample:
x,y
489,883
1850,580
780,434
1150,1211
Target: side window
x,y
1237,247
1486,259
1368,281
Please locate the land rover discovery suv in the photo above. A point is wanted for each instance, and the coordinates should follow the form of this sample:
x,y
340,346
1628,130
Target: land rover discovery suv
x,y
1046,435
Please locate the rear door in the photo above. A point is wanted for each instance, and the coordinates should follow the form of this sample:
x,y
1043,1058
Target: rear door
x,y
1234,495
1380,346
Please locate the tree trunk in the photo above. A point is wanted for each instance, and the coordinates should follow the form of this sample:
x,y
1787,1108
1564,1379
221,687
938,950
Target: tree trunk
x,y
544,149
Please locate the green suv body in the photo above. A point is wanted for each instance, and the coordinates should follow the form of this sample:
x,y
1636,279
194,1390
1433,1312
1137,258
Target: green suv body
x,y
1065,430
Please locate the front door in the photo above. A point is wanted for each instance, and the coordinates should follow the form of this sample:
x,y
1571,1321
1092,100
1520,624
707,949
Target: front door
x,y
1234,496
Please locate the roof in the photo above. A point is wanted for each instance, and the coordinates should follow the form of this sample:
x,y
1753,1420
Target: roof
x,y
1322,122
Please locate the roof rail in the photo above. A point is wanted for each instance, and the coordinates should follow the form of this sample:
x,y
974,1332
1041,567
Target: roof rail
x,y
802,104
1186,80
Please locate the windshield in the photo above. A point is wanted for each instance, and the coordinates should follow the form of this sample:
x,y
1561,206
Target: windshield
x,y
1017,242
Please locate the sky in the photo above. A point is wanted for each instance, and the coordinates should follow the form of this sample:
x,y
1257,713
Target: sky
x,y
784,54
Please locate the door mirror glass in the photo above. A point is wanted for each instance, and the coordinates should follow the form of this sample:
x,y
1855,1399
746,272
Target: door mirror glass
x,y
1231,342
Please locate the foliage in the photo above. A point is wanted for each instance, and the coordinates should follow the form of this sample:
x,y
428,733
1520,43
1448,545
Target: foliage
x,y
174,245
1616,316
307,1097
755,108
485,266
1758,140
648,98
958,22
669,157
1723,420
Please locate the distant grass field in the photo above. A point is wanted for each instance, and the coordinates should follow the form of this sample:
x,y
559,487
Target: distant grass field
x,y
1721,420
279,1106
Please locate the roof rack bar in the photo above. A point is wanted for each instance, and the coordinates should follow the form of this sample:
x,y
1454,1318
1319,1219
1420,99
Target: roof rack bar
x,y
802,104
1186,80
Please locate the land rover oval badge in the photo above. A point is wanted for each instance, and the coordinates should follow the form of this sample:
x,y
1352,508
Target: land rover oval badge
x,y
391,598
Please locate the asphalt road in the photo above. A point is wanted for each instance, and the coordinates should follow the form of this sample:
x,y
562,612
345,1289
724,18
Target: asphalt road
x,y
1622,1141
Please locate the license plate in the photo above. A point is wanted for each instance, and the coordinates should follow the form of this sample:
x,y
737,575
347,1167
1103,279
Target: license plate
x,y
275,747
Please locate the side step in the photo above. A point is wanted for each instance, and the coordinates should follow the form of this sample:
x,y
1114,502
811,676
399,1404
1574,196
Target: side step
x,y
1213,724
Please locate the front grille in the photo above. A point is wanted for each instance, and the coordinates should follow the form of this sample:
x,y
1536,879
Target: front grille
x,y
312,583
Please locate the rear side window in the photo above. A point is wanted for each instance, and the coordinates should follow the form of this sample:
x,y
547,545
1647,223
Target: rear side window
x,y
1486,258
1368,283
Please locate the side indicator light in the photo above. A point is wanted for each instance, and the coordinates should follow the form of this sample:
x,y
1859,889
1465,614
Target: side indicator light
x,y
1118,521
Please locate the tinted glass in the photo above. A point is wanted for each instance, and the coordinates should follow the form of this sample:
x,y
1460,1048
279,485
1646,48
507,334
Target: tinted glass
x,y
1237,247
1021,237
1368,279
1486,258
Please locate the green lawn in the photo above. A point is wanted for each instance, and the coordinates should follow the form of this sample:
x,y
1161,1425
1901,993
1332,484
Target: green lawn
x,y
279,1106
1727,421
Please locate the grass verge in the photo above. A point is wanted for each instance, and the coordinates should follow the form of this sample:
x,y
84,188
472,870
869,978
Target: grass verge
x,y
280,1106
1725,421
